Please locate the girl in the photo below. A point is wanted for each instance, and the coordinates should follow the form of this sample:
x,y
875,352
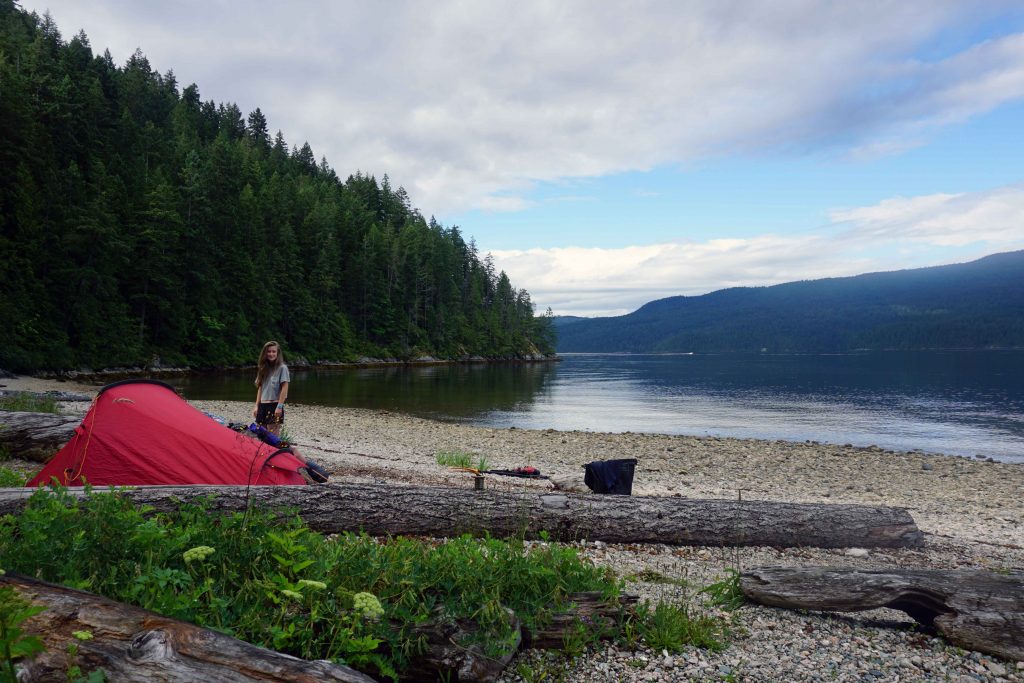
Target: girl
x,y
272,379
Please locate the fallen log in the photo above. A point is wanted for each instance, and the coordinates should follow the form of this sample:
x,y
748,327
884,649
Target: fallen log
x,y
35,436
131,644
382,510
975,609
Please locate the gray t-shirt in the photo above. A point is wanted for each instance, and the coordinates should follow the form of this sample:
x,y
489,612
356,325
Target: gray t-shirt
x,y
270,390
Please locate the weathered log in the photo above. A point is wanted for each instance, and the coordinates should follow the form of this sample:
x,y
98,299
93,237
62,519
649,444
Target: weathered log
x,y
382,510
588,607
132,644
446,657
36,436
976,609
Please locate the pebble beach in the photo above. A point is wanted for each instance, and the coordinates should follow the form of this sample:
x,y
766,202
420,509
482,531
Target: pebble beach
x,y
971,511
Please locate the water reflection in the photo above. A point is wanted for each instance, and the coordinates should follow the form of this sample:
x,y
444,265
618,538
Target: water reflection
x,y
951,402
458,392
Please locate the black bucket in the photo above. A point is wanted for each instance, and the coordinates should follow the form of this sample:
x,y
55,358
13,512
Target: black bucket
x,y
611,476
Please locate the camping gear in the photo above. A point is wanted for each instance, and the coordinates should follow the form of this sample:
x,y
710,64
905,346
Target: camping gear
x,y
610,476
318,474
140,432
527,472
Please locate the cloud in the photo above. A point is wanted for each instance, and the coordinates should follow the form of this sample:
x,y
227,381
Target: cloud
x,y
950,220
902,232
469,104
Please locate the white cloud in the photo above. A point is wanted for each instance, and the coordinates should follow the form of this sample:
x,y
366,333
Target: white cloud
x,y
950,220
890,235
468,103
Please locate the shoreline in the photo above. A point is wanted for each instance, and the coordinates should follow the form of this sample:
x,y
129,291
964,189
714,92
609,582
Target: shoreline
x,y
952,490
156,372
970,511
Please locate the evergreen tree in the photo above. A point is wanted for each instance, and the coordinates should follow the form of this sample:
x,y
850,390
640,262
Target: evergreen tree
x,y
140,221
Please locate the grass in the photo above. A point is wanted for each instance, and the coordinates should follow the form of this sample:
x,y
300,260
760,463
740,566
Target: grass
x,y
672,627
462,460
273,582
727,592
28,403
268,579
11,478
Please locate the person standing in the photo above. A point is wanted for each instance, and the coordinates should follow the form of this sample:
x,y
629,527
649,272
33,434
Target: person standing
x,y
272,378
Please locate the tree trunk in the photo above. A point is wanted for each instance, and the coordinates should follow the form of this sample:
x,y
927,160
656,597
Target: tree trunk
x,y
382,510
131,644
975,609
36,436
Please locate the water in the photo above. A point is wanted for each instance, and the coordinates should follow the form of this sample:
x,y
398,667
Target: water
x,y
957,402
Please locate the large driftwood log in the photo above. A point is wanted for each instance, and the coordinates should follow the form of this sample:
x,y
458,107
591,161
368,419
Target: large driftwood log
x,y
36,436
131,644
382,510
976,609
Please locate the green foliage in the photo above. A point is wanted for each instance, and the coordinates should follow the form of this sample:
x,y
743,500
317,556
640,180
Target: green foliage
x,y
727,592
672,627
138,221
462,460
12,478
14,644
29,403
271,581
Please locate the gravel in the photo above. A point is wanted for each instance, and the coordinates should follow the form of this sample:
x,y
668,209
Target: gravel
x,y
970,510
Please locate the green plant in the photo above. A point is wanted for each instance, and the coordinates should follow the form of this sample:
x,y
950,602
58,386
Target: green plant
x,y
672,627
11,478
74,673
28,403
462,460
726,593
542,669
268,579
14,644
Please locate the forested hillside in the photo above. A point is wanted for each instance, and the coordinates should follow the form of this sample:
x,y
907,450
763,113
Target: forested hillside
x,y
970,305
138,221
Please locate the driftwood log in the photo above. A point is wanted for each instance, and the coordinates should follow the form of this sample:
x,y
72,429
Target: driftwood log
x,y
131,644
975,609
36,436
382,510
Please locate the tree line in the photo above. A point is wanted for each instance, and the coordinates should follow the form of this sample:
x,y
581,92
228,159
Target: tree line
x,y
138,221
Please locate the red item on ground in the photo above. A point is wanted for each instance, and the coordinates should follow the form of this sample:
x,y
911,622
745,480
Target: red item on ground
x,y
140,432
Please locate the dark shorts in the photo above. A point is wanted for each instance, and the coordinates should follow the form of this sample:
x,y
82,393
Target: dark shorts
x,y
265,415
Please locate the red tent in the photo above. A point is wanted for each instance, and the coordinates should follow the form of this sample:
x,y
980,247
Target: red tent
x,y
140,432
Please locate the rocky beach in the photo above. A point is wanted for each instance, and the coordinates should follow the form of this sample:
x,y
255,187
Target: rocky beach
x,y
970,510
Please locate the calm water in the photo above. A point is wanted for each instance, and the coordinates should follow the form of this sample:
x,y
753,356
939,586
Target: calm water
x,y
958,402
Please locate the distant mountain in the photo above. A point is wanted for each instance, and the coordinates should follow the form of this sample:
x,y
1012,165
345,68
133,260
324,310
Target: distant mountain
x,y
969,305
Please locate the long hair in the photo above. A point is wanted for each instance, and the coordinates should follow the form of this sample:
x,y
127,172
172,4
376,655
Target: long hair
x,y
263,366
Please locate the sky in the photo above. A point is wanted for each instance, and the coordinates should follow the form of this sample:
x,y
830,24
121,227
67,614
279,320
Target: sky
x,y
608,153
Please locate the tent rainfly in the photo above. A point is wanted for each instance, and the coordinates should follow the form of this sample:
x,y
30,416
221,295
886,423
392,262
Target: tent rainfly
x,y
141,433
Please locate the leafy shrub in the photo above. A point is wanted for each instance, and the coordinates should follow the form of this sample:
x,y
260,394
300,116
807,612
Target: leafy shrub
x,y
11,478
270,580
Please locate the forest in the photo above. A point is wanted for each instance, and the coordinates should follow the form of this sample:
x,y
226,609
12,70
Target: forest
x,y
974,305
141,225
